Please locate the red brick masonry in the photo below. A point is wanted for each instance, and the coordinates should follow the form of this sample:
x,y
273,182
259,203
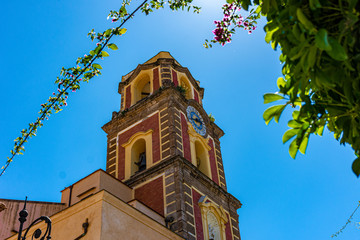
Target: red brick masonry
x,y
152,195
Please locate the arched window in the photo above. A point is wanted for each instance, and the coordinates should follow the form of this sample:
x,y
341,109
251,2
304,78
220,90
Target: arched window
x,y
202,158
138,156
186,85
138,153
141,88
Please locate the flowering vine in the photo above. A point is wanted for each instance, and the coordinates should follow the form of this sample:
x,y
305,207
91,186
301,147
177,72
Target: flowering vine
x,y
86,67
225,28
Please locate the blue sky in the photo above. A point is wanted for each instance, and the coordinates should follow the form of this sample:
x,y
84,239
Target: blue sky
x,y
307,198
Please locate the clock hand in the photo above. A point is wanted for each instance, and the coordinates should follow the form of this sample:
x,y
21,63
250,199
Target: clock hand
x,y
196,120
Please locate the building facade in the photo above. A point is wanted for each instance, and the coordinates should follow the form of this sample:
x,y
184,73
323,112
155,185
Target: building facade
x,y
163,159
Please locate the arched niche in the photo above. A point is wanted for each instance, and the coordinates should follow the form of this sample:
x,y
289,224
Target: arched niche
x,y
213,226
138,156
202,158
214,219
184,82
138,147
199,151
141,88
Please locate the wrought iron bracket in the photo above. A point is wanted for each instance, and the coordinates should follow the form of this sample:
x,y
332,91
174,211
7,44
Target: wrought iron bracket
x,y
37,234
85,226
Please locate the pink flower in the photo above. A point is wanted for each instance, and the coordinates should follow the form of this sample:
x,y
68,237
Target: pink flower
x,y
250,32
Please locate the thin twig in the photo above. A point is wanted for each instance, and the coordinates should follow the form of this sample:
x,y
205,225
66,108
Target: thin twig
x,y
33,127
348,221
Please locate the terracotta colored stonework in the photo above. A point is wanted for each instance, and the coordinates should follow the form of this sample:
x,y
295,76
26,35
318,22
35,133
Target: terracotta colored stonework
x,y
185,138
197,214
156,83
214,172
152,195
174,77
196,96
128,97
228,229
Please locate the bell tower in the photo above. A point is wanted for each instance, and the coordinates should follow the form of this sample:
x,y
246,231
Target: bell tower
x,y
163,144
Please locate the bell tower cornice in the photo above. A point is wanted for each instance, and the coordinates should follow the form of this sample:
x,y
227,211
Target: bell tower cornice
x,y
161,59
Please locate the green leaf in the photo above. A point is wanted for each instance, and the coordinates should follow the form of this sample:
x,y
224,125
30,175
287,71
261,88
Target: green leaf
x,y
112,46
245,4
304,144
97,66
104,54
337,52
265,7
321,40
312,56
97,49
304,60
269,34
271,97
107,32
297,52
356,167
258,9
296,31
282,58
289,134
293,148
273,112
280,82
294,124
352,3
324,79
320,130
303,19
122,31
295,114
314,4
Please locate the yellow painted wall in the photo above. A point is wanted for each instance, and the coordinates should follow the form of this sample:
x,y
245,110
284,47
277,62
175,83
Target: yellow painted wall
x,y
109,218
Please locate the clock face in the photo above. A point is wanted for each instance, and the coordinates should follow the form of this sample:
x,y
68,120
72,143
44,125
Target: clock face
x,y
196,120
